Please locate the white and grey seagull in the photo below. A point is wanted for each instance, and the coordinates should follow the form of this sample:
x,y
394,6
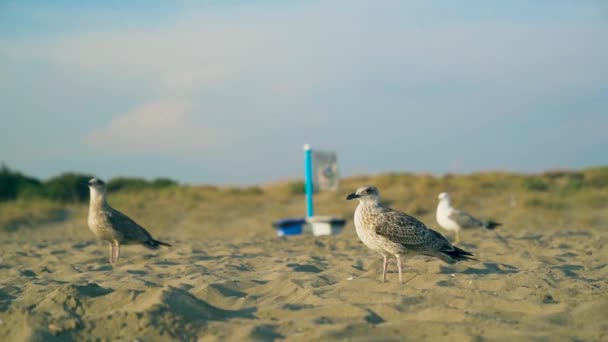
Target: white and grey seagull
x,y
452,219
390,232
113,226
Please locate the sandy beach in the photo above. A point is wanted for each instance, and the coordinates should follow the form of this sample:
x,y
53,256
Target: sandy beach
x,y
541,276
530,285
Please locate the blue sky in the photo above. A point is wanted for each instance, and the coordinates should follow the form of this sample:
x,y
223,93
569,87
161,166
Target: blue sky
x,y
228,91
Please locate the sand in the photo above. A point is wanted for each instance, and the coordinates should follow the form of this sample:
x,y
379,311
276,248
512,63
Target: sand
x,y
529,285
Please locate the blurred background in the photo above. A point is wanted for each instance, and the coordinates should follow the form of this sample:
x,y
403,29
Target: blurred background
x,y
226,92
161,97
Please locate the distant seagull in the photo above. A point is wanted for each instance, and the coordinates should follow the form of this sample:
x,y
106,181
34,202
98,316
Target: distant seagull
x,y
113,226
453,219
390,232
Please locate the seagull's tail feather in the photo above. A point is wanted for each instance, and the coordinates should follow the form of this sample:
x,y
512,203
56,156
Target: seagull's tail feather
x,y
491,224
155,244
456,255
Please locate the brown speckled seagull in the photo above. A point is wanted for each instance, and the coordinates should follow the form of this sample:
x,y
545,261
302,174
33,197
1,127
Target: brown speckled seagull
x,y
113,226
390,232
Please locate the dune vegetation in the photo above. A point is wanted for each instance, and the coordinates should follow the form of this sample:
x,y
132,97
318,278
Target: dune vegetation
x,y
545,200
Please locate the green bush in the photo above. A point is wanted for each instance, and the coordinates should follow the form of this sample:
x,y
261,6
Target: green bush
x,y
534,184
13,183
68,187
126,183
296,188
136,184
29,191
160,183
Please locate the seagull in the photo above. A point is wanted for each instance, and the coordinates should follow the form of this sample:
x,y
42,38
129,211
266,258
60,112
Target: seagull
x,y
453,219
390,232
113,226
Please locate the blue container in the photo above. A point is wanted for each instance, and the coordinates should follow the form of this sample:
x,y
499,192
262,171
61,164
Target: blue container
x,y
289,226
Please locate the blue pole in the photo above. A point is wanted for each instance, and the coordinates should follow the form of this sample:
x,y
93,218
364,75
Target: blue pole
x,y
308,180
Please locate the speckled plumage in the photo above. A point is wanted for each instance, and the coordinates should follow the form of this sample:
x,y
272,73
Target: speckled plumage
x,y
390,232
113,226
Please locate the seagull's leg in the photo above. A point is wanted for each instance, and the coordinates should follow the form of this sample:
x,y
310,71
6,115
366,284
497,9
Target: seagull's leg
x,y
116,251
111,253
399,267
384,268
457,239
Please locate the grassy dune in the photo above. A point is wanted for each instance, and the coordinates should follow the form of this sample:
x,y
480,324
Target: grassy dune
x,y
549,200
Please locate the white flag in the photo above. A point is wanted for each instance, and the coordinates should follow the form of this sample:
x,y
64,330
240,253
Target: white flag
x,y
325,171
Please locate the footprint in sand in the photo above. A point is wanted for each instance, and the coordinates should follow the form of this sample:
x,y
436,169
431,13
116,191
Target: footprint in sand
x,y
304,268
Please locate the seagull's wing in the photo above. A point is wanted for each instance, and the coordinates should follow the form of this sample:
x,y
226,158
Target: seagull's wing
x,y
127,227
408,231
464,219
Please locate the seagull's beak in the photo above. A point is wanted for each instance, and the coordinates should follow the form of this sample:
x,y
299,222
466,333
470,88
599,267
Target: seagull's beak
x,y
352,196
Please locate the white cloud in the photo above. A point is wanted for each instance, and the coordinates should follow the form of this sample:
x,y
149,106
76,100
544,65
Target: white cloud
x,y
167,126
